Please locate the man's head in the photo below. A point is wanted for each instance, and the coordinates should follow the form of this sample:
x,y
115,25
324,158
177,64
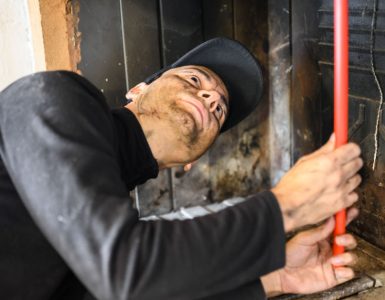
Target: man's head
x,y
207,91
186,106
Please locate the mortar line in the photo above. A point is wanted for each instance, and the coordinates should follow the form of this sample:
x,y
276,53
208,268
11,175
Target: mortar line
x,y
379,111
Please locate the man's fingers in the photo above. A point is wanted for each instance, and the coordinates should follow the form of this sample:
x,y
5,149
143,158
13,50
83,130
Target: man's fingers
x,y
353,183
352,167
328,147
343,274
346,153
346,240
351,214
345,259
314,235
325,149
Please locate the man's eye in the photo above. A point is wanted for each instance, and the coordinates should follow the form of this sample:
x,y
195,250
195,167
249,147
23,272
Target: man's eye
x,y
219,110
195,79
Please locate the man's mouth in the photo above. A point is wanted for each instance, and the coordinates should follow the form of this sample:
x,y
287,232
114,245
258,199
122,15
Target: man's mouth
x,y
199,109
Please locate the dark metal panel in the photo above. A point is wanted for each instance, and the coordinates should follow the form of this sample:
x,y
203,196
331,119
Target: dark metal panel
x,y
102,58
181,27
141,39
218,19
306,82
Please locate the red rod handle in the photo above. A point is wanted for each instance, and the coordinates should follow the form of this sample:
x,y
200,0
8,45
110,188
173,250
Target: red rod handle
x,y
341,93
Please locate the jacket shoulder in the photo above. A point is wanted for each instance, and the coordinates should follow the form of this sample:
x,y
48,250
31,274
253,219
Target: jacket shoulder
x,y
62,88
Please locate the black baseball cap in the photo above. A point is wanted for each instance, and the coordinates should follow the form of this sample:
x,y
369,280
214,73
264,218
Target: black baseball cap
x,y
235,65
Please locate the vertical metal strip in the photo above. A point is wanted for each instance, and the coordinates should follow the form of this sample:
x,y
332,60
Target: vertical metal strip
x,y
124,45
280,60
137,202
161,35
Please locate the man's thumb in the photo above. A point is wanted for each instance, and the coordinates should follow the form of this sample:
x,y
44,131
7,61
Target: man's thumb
x,y
329,146
325,149
317,234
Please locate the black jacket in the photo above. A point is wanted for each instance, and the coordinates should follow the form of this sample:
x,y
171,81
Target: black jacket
x,y
67,165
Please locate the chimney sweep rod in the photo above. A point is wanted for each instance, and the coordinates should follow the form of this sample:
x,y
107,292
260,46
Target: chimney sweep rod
x,y
341,93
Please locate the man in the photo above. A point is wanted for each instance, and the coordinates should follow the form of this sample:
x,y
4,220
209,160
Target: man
x,y
68,163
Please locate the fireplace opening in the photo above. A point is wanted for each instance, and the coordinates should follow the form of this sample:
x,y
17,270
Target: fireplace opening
x,y
293,40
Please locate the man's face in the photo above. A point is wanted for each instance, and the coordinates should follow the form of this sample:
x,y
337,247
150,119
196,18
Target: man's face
x,y
192,103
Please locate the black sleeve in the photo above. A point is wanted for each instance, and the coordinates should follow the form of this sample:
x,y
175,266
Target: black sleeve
x,y
56,140
251,291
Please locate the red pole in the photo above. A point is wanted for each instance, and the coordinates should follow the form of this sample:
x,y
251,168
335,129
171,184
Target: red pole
x,y
341,90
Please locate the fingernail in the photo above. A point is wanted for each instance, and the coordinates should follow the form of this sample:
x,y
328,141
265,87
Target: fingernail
x,y
344,273
336,261
340,240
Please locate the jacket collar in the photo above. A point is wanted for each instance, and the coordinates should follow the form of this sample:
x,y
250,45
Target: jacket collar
x,y
135,157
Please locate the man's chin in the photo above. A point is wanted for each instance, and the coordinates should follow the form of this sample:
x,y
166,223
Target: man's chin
x,y
186,124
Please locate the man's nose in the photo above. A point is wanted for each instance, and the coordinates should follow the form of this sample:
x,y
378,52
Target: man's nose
x,y
210,99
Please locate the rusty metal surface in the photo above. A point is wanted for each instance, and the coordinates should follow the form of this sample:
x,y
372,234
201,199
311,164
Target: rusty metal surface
x,y
280,66
364,99
306,79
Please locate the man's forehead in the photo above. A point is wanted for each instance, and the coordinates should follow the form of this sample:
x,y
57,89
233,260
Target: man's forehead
x,y
208,73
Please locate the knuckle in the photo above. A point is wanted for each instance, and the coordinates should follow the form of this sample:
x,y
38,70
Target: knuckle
x,y
339,174
358,179
337,178
355,149
358,164
352,198
341,195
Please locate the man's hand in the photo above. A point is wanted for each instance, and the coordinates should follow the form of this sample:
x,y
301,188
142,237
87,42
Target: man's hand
x,y
309,262
319,185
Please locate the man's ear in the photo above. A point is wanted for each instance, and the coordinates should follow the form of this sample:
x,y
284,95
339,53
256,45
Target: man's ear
x,y
136,90
188,167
